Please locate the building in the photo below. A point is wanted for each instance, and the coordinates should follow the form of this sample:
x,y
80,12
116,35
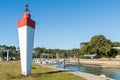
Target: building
x,y
91,56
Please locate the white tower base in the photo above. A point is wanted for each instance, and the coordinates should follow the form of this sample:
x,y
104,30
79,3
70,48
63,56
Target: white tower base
x,y
26,38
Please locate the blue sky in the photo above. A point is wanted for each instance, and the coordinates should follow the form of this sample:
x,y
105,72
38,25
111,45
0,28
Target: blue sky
x,y
62,24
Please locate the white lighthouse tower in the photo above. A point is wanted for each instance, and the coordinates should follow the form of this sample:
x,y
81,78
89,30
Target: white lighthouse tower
x,y
26,28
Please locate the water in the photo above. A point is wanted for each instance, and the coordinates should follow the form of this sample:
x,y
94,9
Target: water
x,y
109,72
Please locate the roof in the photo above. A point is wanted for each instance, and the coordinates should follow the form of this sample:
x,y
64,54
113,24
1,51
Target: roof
x,y
116,47
91,55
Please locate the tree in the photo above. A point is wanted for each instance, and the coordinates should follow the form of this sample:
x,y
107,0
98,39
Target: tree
x,y
37,52
98,45
4,49
115,44
84,43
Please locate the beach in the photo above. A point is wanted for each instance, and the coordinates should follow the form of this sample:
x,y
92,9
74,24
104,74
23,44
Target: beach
x,y
103,63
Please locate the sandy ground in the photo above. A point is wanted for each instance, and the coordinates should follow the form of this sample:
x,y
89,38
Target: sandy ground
x,y
105,63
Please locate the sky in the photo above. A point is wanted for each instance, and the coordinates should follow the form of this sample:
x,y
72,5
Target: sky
x,y
62,24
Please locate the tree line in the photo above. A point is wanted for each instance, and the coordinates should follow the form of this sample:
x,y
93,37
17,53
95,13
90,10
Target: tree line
x,y
98,44
56,53
38,52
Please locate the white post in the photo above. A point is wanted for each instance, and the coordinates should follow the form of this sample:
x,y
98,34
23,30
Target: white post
x,y
7,55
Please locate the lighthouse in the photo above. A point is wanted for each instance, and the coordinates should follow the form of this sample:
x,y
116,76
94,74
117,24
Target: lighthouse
x,y
26,27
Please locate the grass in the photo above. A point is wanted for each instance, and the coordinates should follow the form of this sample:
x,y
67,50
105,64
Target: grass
x,y
11,71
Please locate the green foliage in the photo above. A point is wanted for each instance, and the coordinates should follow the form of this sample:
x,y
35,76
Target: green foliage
x,y
11,49
56,52
38,52
115,44
99,45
